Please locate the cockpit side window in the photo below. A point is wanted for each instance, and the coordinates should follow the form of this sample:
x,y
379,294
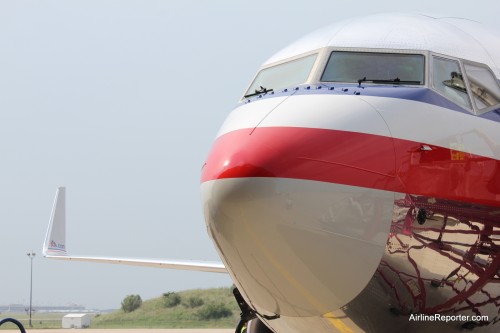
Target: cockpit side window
x,y
284,75
447,78
484,87
373,67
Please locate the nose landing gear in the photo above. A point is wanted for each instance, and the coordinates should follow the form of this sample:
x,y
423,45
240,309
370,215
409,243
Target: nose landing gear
x,y
257,326
248,316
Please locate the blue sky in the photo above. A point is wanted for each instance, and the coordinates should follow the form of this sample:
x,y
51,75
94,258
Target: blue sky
x,y
119,101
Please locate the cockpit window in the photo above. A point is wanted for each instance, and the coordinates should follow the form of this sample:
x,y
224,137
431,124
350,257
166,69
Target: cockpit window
x,y
447,78
281,76
382,68
484,87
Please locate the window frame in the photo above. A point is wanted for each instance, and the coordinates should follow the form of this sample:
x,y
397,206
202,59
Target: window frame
x,y
323,55
473,109
313,70
462,70
478,111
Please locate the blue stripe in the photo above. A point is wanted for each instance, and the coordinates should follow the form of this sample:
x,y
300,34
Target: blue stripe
x,y
419,94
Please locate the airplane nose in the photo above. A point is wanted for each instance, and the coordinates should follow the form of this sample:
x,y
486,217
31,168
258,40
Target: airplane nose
x,y
299,219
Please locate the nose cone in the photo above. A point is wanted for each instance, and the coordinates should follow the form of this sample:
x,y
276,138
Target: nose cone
x,y
238,155
296,239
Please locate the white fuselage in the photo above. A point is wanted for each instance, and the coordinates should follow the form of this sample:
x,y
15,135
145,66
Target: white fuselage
x,y
309,189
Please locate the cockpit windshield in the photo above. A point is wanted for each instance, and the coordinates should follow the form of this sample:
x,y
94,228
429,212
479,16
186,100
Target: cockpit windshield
x,y
382,68
283,75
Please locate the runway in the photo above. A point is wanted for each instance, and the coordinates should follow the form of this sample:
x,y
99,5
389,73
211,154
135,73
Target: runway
x,y
143,330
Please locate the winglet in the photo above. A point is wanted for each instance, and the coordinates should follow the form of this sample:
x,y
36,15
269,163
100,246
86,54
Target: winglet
x,y
54,246
55,239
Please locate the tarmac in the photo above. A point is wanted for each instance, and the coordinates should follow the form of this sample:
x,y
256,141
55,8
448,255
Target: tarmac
x,y
145,330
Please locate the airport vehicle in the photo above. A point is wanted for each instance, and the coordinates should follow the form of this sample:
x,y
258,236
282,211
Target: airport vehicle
x,y
356,185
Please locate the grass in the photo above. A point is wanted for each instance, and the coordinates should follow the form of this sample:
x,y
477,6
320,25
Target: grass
x,y
152,314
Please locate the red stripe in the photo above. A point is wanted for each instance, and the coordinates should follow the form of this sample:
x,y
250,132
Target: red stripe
x,y
356,159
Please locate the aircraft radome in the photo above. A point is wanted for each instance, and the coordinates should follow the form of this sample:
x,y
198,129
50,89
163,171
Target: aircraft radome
x,y
356,184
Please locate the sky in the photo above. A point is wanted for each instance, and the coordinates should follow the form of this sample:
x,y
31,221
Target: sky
x,y
120,101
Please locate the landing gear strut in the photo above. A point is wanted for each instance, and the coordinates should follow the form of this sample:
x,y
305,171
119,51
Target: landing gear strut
x,y
248,314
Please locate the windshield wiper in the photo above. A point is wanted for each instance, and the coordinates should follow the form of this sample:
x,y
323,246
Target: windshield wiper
x,y
262,90
396,80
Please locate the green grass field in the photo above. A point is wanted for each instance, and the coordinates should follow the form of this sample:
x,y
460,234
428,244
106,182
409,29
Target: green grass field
x,y
154,314
39,320
190,312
